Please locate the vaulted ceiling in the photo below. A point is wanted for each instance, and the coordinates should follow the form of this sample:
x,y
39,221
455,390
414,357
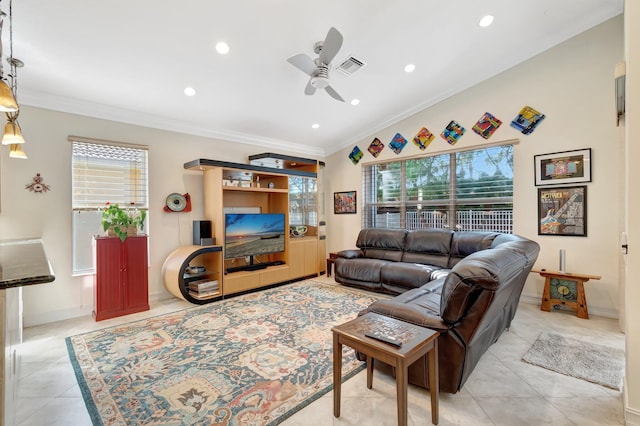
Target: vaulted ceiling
x,y
130,61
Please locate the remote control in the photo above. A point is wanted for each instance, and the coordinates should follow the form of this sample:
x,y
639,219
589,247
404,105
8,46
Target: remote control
x,y
385,339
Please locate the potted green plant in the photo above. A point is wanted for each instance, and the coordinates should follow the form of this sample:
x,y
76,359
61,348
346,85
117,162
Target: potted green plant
x,y
121,223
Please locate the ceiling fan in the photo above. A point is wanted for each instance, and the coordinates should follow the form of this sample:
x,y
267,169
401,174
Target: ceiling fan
x,y
318,70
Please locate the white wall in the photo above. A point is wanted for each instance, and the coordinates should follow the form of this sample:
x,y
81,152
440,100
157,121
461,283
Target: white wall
x,y
632,290
48,215
573,85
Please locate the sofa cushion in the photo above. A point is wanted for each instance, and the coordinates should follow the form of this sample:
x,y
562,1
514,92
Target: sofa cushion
x,y
428,246
364,269
440,273
435,285
387,244
407,275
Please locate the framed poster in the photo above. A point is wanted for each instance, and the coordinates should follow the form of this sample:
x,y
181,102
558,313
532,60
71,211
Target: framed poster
x,y
344,202
563,167
562,211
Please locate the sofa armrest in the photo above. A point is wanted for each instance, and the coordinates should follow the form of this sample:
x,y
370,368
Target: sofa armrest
x,y
351,254
409,312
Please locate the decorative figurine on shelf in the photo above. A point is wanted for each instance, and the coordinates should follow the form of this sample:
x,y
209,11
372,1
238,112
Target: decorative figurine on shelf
x,y
37,185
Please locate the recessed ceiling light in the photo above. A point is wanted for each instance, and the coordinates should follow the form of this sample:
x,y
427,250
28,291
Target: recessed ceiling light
x,y
189,91
409,68
222,48
315,125
485,21
355,101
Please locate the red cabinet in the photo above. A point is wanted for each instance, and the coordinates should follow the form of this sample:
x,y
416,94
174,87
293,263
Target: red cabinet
x,y
121,277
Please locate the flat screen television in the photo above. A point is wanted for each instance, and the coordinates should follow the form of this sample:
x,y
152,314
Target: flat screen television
x,y
253,234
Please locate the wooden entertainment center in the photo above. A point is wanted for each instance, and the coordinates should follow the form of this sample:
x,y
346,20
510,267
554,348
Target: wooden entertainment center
x,y
230,187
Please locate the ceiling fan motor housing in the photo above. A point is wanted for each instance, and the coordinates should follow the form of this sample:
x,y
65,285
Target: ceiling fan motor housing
x,y
320,79
319,82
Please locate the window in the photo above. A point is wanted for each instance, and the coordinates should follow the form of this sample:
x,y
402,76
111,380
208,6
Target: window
x,y
103,172
468,190
303,206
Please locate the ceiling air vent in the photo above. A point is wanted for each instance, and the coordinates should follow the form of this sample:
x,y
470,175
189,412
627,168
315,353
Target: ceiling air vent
x,y
350,66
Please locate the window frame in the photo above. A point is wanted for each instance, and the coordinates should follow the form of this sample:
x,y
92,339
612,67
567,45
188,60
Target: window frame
x,y
83,228
371,204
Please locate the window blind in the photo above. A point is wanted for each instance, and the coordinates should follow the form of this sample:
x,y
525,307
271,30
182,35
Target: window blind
x,y
108,173
464,190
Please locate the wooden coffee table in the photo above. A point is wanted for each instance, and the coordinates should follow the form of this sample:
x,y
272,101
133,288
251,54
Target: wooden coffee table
x,y
416,342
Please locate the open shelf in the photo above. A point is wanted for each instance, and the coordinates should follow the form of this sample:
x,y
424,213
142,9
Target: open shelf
x,y
194,288
251,189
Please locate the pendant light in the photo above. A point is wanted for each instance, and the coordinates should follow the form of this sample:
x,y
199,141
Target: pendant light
x,y
16,151
8,101
12,132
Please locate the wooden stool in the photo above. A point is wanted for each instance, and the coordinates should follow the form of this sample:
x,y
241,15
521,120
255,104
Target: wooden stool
x,y
563,288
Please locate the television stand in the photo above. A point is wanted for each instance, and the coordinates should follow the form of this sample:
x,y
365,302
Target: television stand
x,y
252,267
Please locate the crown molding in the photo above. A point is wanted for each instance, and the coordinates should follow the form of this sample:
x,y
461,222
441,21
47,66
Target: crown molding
x,y
120,115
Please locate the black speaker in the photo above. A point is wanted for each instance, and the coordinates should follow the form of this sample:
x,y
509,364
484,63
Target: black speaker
x,y
202,233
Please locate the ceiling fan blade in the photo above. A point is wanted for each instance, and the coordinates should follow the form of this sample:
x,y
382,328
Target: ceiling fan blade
x,y
309,90
331,91
303,63
331,46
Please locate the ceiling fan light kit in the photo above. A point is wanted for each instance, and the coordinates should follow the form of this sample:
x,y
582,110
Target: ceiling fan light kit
x,y
318,70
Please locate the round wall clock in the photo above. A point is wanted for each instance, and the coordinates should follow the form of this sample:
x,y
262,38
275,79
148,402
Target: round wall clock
x,y
177,203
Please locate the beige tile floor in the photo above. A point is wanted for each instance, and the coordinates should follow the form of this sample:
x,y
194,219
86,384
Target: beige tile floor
x,y
502,390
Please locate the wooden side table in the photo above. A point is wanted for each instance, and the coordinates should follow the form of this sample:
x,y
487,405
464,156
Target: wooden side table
x,y
416,342
330,261
563,288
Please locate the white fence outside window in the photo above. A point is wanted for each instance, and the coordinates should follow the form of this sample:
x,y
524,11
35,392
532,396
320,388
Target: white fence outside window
x,y
467,220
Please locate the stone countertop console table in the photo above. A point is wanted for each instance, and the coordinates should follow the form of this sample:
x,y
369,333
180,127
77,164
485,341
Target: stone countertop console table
x,y
22,262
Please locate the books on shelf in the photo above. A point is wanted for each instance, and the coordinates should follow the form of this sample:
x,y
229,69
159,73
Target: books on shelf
x,y
202,296
203,288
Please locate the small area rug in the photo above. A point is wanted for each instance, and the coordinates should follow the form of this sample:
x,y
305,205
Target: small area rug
x,y
250,360
587,361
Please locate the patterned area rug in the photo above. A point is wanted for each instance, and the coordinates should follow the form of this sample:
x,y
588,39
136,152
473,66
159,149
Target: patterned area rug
x,y
250,360
587,361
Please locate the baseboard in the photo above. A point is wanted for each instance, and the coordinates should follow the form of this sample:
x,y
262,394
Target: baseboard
x,y
65,314
54,316
631,416
593,310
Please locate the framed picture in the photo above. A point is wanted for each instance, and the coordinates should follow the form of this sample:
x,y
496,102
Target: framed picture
x,y
344,202
562,211
563,167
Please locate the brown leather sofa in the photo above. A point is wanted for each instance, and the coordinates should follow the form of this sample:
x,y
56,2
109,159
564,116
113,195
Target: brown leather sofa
x,y
466,285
